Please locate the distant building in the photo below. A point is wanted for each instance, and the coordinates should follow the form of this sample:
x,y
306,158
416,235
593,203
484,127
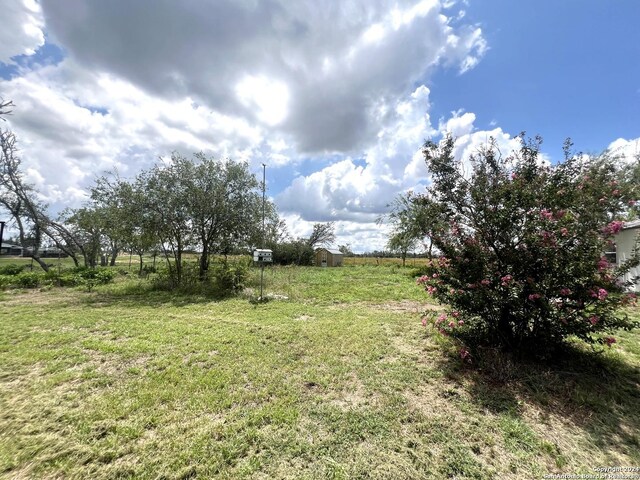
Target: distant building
x,y
46,252
625,243
10,249
326,257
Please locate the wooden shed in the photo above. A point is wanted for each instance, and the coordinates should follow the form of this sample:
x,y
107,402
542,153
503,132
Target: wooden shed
x,y
326,257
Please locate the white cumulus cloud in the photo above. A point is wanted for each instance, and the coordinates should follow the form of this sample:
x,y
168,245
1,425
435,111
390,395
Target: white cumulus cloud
x,y
22,29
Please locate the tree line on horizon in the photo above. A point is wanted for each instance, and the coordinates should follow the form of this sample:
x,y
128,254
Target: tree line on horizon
x,y
183,205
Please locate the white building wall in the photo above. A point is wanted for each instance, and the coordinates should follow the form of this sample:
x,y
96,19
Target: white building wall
x,y
625,241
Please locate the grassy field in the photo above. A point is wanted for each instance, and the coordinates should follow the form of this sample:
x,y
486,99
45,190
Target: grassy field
x,y
334,378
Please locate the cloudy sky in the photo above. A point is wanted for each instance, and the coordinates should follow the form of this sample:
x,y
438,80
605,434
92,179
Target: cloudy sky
x,y
336,97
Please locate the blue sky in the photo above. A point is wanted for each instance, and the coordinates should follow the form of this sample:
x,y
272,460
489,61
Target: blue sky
x,y
560,69
335,97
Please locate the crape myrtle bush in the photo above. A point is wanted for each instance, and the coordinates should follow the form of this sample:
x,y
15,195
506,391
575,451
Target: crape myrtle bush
x,y
522,243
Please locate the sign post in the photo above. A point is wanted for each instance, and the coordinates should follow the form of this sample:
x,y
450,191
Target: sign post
x,y
262,256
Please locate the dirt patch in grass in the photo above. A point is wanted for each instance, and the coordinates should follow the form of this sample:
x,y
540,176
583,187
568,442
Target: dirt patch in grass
x,y
115,365
435,398
36,297
406,306
354,395
200,359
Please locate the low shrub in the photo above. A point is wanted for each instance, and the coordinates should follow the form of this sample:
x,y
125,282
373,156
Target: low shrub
x,y
28,280
11,269
224,278
6,281
227,277
98,276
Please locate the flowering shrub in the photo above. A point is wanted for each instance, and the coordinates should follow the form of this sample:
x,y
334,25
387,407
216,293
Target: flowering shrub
x,y
522,244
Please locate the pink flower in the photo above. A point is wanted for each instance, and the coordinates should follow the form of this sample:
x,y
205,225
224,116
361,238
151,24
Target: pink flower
x,y
485,282
613,228
465,354
534,296
630,298
435,275
441,318
431,290
560,214
564,232
455,314
422,279
632,203
452,324
506,280
609,341
460,322
424,321
546,214
593,319
603,264
565,292
615,193
514,176
600,294
548,239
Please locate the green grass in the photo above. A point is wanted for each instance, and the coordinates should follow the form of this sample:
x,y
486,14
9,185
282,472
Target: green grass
x,y
336,378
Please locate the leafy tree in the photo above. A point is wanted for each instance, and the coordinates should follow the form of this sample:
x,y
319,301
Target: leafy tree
x,y
204,204
522,245
87,226
29,214
275,230
19,198
323,234
124,219
411,218
401,243
631,175
346,250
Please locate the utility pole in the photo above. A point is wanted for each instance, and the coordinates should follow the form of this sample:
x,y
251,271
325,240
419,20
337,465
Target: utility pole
x,y
1,235
264,187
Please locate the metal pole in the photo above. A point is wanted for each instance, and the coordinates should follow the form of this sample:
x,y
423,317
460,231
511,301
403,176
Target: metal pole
x,y
264,187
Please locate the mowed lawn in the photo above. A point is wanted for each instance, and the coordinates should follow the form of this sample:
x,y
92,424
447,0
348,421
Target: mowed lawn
x,y
334,378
